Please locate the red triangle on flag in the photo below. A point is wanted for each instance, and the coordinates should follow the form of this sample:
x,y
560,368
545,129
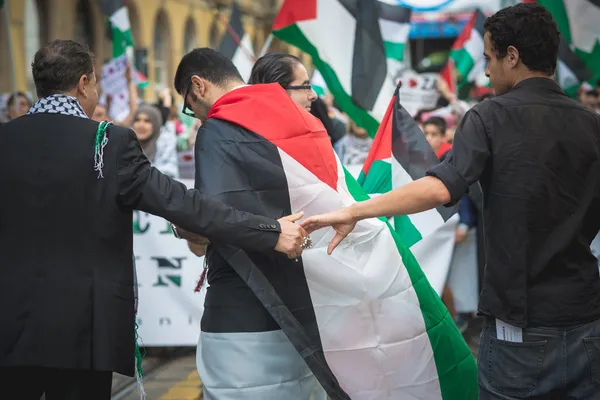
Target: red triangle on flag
x,y
294,11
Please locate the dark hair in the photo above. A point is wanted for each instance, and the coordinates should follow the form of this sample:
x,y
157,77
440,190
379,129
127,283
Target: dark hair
x,y
439,122
528,27
58,66
274,68
13,97
208,64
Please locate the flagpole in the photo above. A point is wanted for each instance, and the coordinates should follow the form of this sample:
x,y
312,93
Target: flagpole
x,y
267,45
13,77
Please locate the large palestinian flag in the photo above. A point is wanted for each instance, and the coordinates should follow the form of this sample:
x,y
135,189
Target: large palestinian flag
x,y
365,319
237,45
356,46
399,155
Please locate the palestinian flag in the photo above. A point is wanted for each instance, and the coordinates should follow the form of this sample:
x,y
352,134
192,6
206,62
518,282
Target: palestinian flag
x,y
355,45
466,61
571,72
122,38
237,45
394,24
399,155
318,83
578,22
365,319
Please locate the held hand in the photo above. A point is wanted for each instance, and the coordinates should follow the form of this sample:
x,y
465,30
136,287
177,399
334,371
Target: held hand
x,y
292,237
198,249
341,221
192,237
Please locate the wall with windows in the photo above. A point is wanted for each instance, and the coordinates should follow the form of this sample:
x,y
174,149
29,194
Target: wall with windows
x,y
163,31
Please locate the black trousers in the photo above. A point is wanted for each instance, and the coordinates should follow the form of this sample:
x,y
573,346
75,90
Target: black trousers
x,y
30,383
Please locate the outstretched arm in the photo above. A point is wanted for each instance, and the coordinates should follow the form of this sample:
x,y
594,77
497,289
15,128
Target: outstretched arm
x,y
143,187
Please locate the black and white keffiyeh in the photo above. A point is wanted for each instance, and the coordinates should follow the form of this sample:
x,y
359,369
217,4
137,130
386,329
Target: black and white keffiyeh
x,y
58,104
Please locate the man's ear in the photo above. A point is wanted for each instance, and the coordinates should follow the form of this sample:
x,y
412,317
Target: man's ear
x,y
199,86
513,56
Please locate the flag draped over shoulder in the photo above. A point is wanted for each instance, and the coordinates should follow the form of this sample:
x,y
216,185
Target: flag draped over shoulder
x,y
355,44
365,319
237,45
399,155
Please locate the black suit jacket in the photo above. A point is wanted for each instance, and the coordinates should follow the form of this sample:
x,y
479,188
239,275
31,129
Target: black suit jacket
x,y
66,276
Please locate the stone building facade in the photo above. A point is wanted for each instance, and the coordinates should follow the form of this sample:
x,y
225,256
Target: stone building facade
x,y
163,31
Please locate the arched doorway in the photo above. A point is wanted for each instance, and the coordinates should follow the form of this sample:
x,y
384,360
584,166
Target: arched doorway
x,y
189,36
161,59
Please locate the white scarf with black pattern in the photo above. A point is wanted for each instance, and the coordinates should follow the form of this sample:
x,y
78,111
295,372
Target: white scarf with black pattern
x,y
58,104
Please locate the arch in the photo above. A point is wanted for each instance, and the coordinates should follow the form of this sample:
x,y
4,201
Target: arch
x,y
161,55
84,24
190,40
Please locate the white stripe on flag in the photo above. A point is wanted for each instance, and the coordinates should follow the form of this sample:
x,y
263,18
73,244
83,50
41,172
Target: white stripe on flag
x,y
120,19
474,46
332,32
371,325
393,32
241,58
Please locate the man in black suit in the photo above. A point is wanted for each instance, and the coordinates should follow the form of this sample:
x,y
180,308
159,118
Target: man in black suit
x,y
69,189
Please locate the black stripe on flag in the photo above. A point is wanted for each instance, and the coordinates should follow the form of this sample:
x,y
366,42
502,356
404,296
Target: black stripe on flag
x,y
244,170
229,45
369,62
397,14
479,21
411,149
109,7
573,62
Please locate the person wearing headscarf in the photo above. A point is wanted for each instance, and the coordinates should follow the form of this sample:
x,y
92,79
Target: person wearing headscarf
x,y
160,146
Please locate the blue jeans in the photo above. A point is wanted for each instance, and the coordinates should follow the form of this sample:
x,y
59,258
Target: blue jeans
x,y
550,363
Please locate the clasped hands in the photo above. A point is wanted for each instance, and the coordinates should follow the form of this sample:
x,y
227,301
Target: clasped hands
x,y
293,238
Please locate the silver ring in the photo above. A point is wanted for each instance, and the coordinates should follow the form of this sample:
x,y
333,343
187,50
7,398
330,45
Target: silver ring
x,y
306,243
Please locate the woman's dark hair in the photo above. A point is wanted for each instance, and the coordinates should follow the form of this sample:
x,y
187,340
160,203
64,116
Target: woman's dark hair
x,y
14,96
274,68
58,66
528,27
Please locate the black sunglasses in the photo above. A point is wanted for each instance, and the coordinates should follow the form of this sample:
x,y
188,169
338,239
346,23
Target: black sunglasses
x,y
186,110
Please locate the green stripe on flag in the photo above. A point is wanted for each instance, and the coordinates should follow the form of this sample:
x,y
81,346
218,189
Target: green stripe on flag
x,y
379,180
454,361
394,50
293,35
1,3
464,63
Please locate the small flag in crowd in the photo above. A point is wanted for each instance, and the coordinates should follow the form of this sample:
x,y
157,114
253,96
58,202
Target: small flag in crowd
x,y
237,45
354,45
122,38
466,60
399,155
